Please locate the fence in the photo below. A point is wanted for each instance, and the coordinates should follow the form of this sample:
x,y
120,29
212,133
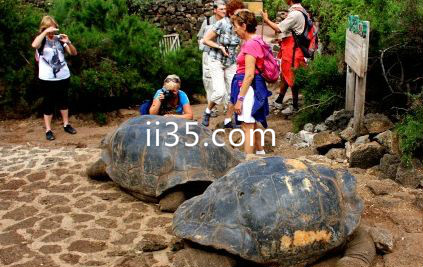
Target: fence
x,y
170,43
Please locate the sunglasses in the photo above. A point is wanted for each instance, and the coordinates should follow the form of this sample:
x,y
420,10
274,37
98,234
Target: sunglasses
x,y
241,18
172,80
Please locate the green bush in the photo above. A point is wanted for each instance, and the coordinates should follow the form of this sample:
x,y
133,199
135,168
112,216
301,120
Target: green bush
x,y
272,7
119,62
322,85
396,28
410,131
186,63
18,24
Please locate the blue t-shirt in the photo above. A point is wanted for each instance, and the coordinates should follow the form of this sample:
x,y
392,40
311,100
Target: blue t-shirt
x,y
183,100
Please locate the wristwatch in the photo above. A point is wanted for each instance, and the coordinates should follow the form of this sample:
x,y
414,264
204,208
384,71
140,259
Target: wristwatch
x,y
241,98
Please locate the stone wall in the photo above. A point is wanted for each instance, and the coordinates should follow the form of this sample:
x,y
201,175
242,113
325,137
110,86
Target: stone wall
x,y
182,17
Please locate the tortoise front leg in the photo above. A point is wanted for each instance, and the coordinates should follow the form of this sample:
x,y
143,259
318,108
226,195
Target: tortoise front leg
x,y
360,250
97,171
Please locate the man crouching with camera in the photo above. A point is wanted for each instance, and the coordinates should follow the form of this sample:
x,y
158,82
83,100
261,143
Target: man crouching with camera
x,y
170,101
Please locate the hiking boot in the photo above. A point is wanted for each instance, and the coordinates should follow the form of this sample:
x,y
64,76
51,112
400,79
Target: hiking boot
x,y
69,129
231,125
50,136
206,119
278,103
289,110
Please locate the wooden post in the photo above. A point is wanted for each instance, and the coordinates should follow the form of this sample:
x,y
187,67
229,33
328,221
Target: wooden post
x,y
349,94
356,57
360,100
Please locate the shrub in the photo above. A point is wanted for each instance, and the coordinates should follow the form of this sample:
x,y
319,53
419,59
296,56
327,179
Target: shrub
x,y
410,131
322,85
272,7
118,63
18,22
186,63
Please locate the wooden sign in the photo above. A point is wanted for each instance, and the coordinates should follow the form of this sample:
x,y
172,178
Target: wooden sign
x,y
356,57
255,6
357,45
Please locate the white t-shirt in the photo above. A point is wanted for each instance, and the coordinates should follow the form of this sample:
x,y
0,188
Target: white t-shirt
x,y
52,65
295,21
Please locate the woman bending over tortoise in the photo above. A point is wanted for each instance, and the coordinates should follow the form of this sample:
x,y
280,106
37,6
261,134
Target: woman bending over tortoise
x,y
170,101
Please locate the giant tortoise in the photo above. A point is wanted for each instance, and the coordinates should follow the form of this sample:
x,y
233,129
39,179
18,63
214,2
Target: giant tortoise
x,y
149,170
279,212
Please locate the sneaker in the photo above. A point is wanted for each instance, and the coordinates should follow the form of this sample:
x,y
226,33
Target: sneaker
x,y
231,125
50,136
289,110
206,119
69,129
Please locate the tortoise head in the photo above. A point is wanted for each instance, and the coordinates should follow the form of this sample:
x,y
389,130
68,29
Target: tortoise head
x,y
353,204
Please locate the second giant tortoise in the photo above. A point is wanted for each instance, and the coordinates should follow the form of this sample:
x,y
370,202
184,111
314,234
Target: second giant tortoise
x,y
149,170
279,212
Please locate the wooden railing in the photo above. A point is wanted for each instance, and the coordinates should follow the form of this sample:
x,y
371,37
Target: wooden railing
x,y
170,42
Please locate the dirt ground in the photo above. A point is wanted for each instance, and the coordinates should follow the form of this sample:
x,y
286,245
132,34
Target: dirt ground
x,y
51,214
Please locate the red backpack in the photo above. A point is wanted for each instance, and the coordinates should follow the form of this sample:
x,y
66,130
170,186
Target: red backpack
x,y
271,68
308,40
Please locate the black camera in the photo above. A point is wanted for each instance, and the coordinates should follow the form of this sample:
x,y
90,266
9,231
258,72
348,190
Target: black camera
x,y
167,94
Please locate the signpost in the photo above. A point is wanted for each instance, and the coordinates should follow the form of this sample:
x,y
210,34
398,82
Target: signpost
x,y
356,57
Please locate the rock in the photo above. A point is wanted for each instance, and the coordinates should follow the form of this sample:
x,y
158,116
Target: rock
x,y
320,128
337,154
176,244
180,7
407,253
171,9
377,123
309,127
384,240
410,176
348,148
366,155
152,242
410,220
404,196
362,140
382,187
85,246
373,171
386,202
172,201
339,119
297,140
348,134
307,137
390,140
142,260
389,165
324,141
198,258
